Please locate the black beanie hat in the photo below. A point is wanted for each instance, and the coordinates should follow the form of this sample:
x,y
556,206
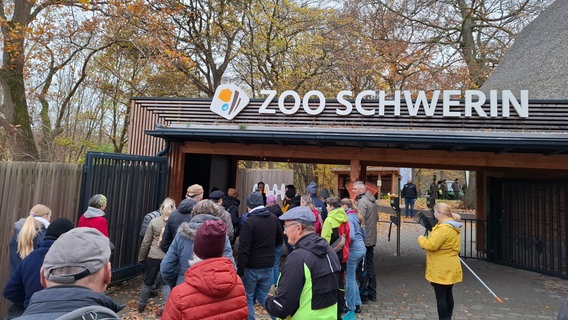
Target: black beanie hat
x,y
58,227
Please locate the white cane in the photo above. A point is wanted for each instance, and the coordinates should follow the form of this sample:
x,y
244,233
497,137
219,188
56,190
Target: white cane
x,y
483,283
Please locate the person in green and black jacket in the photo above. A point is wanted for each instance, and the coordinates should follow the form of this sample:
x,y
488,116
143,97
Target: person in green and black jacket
x,y
309,280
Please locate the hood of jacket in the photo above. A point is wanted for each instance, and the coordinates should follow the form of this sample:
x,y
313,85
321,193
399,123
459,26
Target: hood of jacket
x,y
454,224
260,212
367,195
337,214
313,243
18,225
186,205
61,299
215,277
189,229
228,200
93,212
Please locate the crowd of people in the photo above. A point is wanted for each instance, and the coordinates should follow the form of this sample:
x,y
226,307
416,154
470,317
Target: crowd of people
x,y
208,261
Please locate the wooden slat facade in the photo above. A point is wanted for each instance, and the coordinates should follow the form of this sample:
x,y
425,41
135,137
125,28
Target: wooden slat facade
x,y
544,118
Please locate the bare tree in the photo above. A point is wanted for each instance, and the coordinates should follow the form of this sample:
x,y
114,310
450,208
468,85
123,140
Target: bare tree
x,y
478,31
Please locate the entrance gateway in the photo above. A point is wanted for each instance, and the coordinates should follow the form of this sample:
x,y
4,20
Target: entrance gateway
x,y
517,146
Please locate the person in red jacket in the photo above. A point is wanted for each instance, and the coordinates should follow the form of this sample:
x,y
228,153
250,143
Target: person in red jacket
x,y
94,217
211,288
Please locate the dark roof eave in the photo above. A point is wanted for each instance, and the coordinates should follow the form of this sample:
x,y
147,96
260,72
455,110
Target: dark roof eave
x,y
503,142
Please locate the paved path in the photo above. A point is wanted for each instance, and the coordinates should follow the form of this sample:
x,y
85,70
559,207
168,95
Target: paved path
x,y
405,294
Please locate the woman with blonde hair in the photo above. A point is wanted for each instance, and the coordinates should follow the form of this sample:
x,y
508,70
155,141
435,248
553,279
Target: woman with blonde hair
x,y
443,268
307,201
151,253
28,234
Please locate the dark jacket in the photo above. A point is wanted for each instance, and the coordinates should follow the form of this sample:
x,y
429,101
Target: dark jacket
x,y
56,301
14,256
409,191
275,210
24,282
232,205
260,233
180,215
312,260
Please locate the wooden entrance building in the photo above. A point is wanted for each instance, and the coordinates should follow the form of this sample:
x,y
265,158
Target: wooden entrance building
x,y
521,162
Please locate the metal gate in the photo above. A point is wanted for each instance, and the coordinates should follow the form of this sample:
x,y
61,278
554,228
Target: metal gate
x,y
134,185
528,225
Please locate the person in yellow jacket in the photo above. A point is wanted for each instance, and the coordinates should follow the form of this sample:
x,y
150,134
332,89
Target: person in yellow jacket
x,y
443,268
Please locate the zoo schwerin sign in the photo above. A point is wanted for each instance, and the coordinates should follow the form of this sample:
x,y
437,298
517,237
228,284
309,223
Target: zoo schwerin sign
x,y
230,100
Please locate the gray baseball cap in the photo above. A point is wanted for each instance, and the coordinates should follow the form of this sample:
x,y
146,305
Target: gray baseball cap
x,y
75,255
301,214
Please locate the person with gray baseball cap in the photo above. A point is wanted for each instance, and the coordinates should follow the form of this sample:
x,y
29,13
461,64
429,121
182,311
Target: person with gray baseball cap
x,y
298,295
75,272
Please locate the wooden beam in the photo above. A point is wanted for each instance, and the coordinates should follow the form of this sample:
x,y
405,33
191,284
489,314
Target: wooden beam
x,y
385,157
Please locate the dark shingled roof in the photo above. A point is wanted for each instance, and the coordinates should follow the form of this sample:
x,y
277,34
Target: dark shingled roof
x,y
538,60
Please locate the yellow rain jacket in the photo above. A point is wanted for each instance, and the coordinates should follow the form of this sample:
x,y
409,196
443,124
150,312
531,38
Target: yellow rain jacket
x,y
442,249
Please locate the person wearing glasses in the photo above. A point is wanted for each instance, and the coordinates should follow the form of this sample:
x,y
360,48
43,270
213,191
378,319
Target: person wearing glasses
x,y
309,278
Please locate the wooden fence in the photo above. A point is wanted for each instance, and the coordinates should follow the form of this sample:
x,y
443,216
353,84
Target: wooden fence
x,y
24,184
248,178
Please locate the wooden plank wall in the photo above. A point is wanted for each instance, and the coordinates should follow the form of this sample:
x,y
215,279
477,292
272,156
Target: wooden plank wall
x,y
24,184
248,178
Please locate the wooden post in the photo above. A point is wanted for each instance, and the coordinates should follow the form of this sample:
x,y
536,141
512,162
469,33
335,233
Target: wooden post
x,y
354,173
363,173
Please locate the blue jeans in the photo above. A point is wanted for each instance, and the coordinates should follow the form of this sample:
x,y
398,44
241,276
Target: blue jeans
x,y
276,269
353,298
257,282
409,202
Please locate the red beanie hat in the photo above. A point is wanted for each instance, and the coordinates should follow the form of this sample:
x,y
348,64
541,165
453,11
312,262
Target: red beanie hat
x,y
210,239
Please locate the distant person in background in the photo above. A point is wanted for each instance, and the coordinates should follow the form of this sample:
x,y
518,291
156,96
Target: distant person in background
x,y
312,190
443,268
457,189
28,234
152,255
444,189
409,193
94,217
25,281
211,288
260,188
